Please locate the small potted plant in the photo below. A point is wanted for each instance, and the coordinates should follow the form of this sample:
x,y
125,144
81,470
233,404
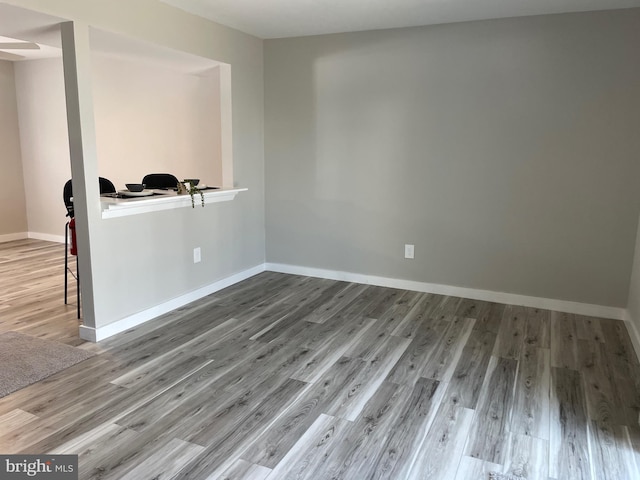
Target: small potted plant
x,y
189,185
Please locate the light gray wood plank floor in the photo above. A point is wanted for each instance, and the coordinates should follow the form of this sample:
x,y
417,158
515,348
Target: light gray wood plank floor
x,y
289,377
32,291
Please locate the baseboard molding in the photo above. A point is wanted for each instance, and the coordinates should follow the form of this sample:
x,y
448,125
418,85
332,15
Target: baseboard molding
x,y
10,237
486,295
47,237
35,235
634,334
96,334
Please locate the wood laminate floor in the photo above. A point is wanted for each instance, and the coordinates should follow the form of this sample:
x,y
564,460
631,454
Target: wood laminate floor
x,y
287,377
32,291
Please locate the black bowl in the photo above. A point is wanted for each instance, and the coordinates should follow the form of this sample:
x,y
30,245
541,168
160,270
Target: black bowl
x,y
192,181
135,187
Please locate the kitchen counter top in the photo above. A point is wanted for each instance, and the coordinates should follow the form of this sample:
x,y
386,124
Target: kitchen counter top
x,y
118,206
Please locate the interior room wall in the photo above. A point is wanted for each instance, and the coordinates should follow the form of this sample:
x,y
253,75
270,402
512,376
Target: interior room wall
x,y
13,213
506,151
152,119
148,119
139,262
45,144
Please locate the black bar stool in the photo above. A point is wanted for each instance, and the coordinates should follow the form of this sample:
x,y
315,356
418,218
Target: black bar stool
x,y
106,186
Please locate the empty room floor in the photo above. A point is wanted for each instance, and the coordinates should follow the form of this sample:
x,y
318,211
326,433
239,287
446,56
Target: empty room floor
x,y
32,291
282,377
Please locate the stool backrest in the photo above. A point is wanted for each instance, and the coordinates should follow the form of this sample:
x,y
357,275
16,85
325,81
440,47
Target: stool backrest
x,y
160,180
67,195
106,186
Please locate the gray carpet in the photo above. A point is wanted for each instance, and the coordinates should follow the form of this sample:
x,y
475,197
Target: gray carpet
x,y
25,360
505,476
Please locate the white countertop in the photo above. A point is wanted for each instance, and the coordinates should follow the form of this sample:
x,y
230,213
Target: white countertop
x,y
162,200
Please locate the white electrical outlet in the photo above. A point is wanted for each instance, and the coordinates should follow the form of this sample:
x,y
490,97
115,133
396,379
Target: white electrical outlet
x,y
408,251
196,255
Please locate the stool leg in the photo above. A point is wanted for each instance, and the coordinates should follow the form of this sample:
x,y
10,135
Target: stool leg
x,y
78,285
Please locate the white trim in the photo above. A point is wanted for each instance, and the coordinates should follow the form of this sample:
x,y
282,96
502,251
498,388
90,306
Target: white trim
x,y
96,334
10,237
35,235
121,207
634,334
486,295
47,237
89,334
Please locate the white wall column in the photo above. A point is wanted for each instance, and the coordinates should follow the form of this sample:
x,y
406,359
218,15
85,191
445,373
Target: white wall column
x,y
82,147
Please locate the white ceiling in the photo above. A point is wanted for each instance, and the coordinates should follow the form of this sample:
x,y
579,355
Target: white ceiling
x,y
21,25
17,24
44,51
292,18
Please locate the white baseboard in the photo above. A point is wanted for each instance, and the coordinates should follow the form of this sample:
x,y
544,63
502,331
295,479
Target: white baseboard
x,y
486,295
100,333
10,237
47,237
634,334
96,334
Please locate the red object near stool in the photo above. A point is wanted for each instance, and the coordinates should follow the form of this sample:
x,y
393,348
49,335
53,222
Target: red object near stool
x,y
74,245
71,248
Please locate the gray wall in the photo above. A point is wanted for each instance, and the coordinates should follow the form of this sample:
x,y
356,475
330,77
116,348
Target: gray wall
x,y
13,213
506,151
141,261
44,142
